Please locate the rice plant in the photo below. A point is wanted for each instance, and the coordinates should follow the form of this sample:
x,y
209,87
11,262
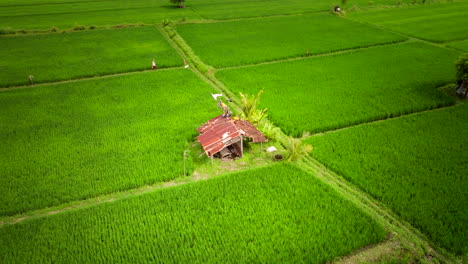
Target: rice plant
x,y
325,93
417,165
60,143
275,214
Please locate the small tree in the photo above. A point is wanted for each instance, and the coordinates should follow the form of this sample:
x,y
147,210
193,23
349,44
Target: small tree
x,y
179,3
249,108
461,68
296,148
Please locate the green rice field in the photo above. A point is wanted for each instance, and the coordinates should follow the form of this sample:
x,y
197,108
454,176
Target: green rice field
x,y
278,213
99,156
73,141
253,41
460,45
436,22
416,164
70,14
52,57
369,84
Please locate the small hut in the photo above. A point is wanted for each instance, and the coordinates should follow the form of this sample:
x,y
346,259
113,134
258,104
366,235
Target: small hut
x,y
222,137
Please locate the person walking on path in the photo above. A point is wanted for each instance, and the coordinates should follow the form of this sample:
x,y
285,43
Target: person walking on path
x,y
153,65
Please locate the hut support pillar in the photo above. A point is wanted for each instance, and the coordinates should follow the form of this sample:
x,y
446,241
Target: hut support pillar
x,y
242,147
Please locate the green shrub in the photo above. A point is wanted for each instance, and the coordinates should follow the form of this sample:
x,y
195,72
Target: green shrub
x,y
77,28
461,68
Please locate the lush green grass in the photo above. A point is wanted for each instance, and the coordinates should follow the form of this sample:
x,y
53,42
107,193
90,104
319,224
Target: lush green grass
x,y
416,164
259,40
53,57
436,22
330,92
272,215
98,13
461,45
72,141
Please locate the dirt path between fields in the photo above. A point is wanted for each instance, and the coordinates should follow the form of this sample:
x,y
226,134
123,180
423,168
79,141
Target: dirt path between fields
x,y
411,240
404,239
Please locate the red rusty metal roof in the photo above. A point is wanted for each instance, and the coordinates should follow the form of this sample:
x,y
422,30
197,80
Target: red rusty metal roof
x,y
221,132
250,131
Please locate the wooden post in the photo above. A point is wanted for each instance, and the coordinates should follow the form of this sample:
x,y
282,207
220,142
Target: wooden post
x,y
242,148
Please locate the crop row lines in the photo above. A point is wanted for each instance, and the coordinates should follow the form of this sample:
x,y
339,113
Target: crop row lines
x,y
325,54
113,196
411,37
383,119
411,238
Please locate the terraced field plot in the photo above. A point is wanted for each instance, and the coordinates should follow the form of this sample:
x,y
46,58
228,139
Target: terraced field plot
x,y
416,164
330,92
461,45
274,214
213,9
259,40
72,141
68,14
436,22
52,57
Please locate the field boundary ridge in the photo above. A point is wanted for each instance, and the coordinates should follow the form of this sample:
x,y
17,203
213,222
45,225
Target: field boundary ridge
x,y
409,237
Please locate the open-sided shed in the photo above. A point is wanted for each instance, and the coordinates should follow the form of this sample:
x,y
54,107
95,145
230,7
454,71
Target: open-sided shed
x,y
222,137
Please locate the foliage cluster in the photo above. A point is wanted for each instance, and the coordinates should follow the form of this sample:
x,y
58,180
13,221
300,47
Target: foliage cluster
x,y
60,143
415,164
253,41
461,68
52,57
249,108
274,214
330,92
179,3
438,22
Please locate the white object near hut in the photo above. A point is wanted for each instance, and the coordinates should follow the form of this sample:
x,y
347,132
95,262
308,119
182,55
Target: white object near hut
x,y
271,149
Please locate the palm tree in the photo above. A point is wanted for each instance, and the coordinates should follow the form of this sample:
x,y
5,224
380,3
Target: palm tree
x,y
249,105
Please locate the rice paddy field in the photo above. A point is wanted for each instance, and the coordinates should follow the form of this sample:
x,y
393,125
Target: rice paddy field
x,y
436,22
53,57
278,213
416,164
253,41
76,140
460,45
70,14
99,157
369,84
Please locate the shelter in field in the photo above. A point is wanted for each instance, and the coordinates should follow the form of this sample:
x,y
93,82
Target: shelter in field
x,y
222,137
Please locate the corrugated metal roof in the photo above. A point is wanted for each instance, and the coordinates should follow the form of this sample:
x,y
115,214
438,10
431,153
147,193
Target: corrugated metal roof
x,y
221,132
